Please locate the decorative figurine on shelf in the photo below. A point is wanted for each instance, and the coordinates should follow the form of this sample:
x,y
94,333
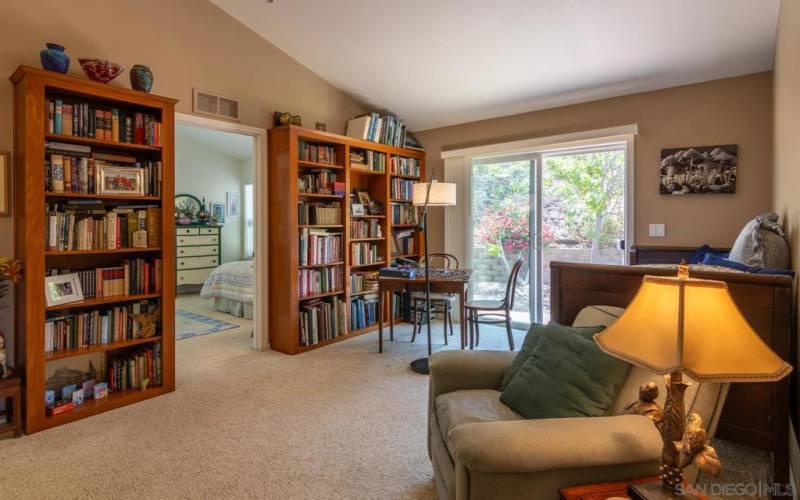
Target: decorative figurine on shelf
x,y
287,119
100,70
53,58
148,322
141,78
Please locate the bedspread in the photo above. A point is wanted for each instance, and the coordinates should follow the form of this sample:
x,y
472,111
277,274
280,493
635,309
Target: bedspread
x,y
232,280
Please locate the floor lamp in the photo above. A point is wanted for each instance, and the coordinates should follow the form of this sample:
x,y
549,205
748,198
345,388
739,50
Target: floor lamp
x,y
430,194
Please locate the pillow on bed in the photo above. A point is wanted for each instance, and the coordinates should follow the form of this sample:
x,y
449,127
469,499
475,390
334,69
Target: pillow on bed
x,y
711,260
761,244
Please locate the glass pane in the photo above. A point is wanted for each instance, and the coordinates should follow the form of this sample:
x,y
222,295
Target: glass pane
x,y
583,211
501,207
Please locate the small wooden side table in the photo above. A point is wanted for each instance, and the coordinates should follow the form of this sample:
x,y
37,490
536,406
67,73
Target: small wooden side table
x,y
11,393
606,491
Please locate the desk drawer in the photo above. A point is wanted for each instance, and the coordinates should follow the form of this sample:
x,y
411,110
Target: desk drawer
x,y
193,277
185,231
209,230
197,262
197,240
198,251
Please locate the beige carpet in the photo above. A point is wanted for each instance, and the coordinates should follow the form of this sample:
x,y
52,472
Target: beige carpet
x,y
339,422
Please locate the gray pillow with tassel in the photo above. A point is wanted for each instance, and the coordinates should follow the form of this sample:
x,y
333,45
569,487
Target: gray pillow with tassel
x,y
762,244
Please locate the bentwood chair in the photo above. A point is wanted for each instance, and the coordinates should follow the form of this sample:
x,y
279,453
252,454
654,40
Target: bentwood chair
x,y
441,303
493,312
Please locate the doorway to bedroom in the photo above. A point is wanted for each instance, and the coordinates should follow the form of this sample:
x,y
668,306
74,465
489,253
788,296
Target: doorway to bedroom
x,y
215,215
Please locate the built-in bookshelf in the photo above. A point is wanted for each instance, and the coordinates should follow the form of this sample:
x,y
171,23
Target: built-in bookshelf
x,y
323,257
79,146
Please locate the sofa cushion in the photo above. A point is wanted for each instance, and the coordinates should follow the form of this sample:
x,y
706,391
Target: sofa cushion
x,y
566,376
469,406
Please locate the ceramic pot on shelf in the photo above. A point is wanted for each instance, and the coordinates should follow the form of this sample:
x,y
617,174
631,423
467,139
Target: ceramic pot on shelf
x,y
141,78
53,58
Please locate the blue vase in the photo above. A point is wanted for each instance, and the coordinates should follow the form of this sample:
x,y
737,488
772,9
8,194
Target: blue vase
x,y
54,59
141,78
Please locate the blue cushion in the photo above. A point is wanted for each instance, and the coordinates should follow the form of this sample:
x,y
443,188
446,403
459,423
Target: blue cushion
x,y
712,260
701,253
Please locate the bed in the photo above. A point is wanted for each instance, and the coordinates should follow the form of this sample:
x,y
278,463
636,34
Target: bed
x,y
756,415
232,286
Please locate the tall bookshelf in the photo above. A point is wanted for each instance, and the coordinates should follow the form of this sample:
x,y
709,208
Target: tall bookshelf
x,y
33,88
286,166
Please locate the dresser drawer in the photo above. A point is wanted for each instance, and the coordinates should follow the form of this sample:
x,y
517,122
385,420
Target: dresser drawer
x,y
185,231
198,251
193,277
197,240
209,230
196,262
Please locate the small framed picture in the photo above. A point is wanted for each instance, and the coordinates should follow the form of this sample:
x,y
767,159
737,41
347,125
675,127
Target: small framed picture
x,y
362,196
5,183
218,212
232,202
358,209
119,180
62,289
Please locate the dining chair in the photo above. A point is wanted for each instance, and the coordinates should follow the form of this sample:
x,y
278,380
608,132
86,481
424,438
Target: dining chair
x,y
494,312
441,303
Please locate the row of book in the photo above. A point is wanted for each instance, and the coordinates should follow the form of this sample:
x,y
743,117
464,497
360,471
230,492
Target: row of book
x,y
329,214
365,228
368,160
99,326
131,277
82,119
322,320
361,282
317,153
400,165
317,181
387,129
321,280
402,189
403,214
403,242
364,253
91,226
136,369
317,246
363,311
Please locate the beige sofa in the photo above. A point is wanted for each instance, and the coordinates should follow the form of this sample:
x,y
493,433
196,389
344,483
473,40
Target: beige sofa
x,y
482,449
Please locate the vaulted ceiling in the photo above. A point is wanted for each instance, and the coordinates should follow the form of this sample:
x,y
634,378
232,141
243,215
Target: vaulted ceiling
x,y
442,62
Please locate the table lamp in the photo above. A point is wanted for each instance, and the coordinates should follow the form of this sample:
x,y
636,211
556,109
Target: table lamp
x,y
430,194
677,325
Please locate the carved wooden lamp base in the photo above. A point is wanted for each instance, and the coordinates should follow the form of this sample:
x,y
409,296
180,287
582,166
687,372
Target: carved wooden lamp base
x,y
654,490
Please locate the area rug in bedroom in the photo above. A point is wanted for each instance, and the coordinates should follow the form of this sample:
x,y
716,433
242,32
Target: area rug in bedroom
x,y
189,324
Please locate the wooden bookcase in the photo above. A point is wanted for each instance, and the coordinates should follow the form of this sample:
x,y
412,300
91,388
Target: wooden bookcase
x,y
285,167
32,88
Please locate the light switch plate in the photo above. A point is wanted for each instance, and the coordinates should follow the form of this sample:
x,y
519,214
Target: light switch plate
x,y
657,231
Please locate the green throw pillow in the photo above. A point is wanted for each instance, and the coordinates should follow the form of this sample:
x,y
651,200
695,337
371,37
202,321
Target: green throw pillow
x,y
532,340
565,376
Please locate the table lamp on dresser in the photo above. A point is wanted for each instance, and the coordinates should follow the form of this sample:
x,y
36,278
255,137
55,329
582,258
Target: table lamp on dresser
x,y
677,325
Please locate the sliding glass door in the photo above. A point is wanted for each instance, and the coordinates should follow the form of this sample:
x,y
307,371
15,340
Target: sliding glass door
x,y
567,205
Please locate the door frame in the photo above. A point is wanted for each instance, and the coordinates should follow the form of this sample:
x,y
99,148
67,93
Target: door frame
x,y
260,226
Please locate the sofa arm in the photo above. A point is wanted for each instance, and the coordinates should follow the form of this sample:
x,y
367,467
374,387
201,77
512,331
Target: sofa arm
x,y
457,370
552,444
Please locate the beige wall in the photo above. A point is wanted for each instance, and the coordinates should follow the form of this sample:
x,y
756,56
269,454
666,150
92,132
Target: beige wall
x,y
786,170
187,43
731,111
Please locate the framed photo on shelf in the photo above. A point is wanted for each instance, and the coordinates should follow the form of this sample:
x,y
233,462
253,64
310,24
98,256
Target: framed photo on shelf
x,y
232,203
362,196
120,180
5,183
357,209
218,212
62,289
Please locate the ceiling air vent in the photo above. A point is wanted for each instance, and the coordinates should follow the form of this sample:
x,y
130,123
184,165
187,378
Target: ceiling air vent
x,y
207,103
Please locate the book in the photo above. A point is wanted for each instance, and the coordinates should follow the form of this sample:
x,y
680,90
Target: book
x,y
110,124
359,127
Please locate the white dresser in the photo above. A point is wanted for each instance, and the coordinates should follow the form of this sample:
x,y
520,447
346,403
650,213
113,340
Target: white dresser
x,y
197,254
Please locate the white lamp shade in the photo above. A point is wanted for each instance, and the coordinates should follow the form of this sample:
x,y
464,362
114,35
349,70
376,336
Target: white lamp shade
x,y
442,194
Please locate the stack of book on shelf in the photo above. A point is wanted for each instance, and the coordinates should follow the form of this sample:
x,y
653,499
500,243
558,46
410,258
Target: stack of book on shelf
x,y
367,160
404,214
131,277
402,189
317,153
89,328
365,228
401,165
365,253
321,320
317,281
318,181
138,369
79,225
363,311
82,119
387,129
324,214
403,242
364,282
318,246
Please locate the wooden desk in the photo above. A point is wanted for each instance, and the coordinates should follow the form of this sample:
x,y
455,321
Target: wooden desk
x,y
10,392
606,491
453,281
